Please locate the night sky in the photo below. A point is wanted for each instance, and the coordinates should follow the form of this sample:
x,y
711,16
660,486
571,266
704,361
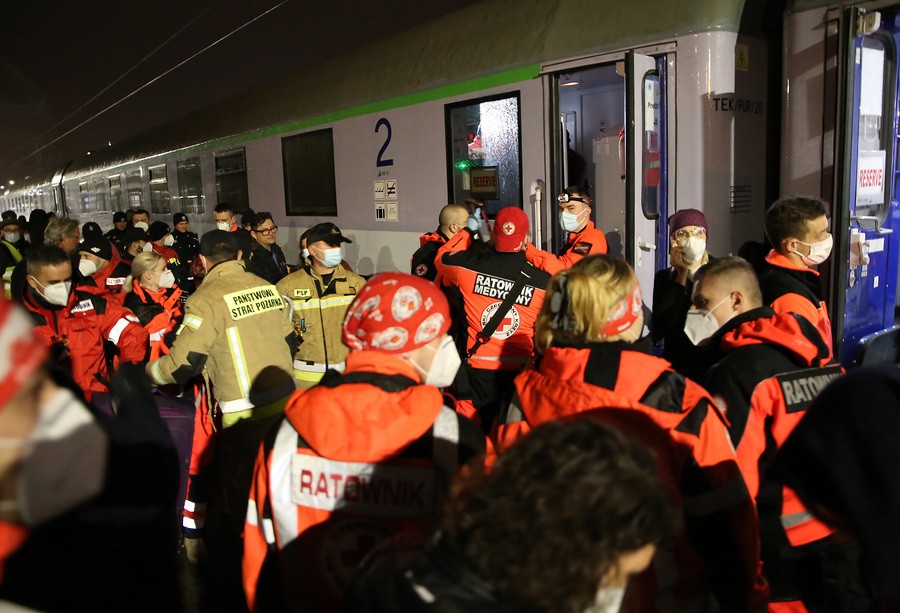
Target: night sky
x,y
57,57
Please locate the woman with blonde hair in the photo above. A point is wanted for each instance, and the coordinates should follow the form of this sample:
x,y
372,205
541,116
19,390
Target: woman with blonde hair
x,y
590,369
155,299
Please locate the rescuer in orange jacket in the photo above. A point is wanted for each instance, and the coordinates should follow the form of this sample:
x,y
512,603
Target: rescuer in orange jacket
x,y
771,367
591,317
103,270
452,219
583,238
155,299
76,324
477,279
364,455
797,227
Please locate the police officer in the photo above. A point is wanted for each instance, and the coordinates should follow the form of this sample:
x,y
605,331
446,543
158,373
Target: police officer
x,y
381,425
797,227
117,234
478,281
452,219
582,237
771,367
187,244
12,249
320,294
237,331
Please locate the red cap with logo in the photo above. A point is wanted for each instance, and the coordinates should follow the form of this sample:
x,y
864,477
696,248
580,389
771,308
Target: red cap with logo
x,y
396,312
510,230
21,351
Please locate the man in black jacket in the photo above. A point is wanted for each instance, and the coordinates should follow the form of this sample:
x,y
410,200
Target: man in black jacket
x,y
267,260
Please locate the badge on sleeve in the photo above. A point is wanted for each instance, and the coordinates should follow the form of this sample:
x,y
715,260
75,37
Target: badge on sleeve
x,y
302,293
582,248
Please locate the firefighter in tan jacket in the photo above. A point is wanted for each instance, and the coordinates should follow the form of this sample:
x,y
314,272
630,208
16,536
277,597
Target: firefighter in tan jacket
x,y
320,294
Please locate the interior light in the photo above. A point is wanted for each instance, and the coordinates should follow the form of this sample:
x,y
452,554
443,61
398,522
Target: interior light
x,y
11,182
569,84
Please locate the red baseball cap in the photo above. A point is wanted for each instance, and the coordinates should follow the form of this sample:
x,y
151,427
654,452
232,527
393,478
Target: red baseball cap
x,y
510,229
396,312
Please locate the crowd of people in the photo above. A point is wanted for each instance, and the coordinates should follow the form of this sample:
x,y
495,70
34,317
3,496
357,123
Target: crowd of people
x,y
500,429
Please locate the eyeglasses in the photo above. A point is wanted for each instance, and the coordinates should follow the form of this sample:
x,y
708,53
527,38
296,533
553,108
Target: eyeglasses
x,y
566,198
684,234
271,230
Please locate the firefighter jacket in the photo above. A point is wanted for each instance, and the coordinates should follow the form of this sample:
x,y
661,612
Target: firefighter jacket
x,y
365,455
791,288
235,326
421,263
773,366
81,328
476,280
319,308
717,547
159,312
588,241
268,263
10,257
109,281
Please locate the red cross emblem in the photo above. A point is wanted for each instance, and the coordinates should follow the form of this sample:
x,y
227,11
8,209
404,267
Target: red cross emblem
x,y
508,228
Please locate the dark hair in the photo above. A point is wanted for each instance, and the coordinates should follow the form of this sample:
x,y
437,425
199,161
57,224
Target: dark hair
x,y
259,218
45,255
549,522
248,218
141,212
224,207
788,217
578,192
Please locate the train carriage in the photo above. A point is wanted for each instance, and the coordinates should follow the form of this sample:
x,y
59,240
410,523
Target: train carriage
x,y
710,104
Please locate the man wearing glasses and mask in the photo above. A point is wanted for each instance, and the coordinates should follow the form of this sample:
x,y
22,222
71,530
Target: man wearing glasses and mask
x,y
583,238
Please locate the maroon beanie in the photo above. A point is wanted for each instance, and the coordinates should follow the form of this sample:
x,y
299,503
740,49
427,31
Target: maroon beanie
x,y
686,217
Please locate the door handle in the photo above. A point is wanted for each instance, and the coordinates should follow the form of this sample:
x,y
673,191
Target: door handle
x,y
875,219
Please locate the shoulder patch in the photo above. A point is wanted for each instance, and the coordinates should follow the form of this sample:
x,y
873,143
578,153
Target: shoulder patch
x,y
302,293
422,270
582,248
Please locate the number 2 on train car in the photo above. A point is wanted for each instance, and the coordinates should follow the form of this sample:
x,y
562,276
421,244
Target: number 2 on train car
x,y
387,141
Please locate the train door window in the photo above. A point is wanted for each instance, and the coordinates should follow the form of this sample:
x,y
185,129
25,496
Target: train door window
x,y
650,146
874,145
159,189
115,193
101,194
86,197
592,120
484,151
309,184
134,185
190,186
231,180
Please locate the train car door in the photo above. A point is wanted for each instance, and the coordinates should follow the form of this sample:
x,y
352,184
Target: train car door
x,y
609,134
864,273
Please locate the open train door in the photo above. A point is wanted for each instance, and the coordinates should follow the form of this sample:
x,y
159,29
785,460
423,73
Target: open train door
x,y
865,213
644,147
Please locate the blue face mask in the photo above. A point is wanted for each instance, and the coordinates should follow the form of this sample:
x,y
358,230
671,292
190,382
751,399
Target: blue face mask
x,y
331,257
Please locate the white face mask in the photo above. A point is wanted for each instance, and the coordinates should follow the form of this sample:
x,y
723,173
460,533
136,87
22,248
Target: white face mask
x,y
86,267
694,248
12,237
444,366
147,248
304,254
818,252
700,324
223,225
331,257
169,240
570,222
56,293
142,225
63,460
167,279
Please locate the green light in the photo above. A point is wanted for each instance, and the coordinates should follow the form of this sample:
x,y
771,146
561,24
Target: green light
x,y
462,165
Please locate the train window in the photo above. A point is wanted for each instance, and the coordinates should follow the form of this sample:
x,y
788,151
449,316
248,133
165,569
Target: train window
x,y
483,151
309,185
86,197
115,193
134,185
159,189
650,144
231,180
873,144
190,186
101,194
